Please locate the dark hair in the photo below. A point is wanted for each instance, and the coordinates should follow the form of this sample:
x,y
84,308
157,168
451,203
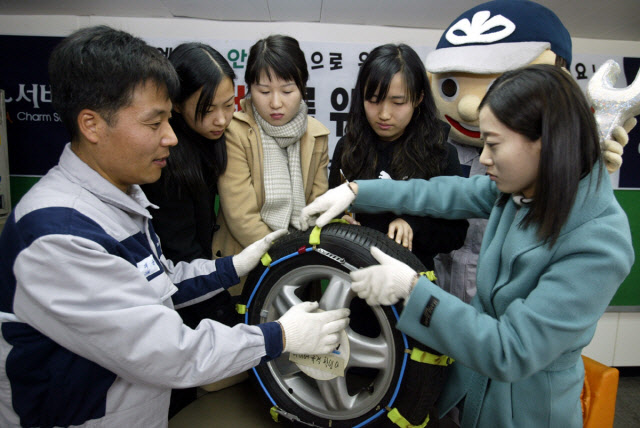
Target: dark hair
x,y
544,102
281,55
198,66
561,62
421,151
99,68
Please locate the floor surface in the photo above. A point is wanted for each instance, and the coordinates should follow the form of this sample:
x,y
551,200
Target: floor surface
x,y
236,406
628,399
241,406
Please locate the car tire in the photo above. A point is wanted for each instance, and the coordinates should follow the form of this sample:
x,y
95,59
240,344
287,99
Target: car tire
x,y
379,375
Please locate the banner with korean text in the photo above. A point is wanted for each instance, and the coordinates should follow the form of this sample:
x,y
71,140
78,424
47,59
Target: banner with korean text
x,y
36,136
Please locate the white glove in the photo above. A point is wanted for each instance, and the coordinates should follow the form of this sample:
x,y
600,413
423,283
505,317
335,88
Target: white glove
x,y
311,333
383,284
332,203
250,256
612,149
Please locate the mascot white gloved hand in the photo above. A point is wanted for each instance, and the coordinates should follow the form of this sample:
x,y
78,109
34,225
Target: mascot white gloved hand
x,y
614,109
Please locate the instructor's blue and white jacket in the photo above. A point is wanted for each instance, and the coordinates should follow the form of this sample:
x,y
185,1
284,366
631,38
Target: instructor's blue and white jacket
x,y
89,334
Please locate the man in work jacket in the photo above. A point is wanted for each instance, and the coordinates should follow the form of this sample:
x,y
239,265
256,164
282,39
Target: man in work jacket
x,y
89,334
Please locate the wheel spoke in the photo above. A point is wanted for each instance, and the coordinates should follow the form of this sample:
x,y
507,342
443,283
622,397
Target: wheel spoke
x,y
304,390
286,367
285,299
367,351
337,294
371,362
335,395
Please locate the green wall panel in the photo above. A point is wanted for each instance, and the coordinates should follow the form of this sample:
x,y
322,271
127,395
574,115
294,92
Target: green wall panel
x,y
629,292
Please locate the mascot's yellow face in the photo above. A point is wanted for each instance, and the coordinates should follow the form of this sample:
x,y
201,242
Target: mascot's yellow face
x,y
458,95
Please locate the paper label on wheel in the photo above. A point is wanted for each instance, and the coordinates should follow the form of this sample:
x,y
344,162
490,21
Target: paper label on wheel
x,y
325,363
325,366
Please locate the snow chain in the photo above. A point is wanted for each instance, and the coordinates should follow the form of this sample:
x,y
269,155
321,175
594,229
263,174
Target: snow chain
x,y
395,417
431,275
314,237
428,358
275,411
265,259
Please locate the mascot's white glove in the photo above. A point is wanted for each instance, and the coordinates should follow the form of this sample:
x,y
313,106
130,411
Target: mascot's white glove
x,y
309,332
383,284
612,149
250,256
332,203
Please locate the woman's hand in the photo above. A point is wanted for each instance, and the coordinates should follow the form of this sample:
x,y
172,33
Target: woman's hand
x,y
401,232
349,219
328,206
386,283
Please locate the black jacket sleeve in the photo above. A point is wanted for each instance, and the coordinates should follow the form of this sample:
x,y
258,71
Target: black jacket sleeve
x,y
176,224
335,178
434,235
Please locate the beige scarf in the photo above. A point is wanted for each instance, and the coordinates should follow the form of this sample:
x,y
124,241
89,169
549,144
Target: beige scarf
x,y
283,186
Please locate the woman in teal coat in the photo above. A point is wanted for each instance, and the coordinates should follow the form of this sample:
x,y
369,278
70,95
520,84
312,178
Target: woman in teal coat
x,y
556,248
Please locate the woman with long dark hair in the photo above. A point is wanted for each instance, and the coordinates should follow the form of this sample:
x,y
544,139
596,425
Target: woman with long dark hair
x,y
393,132
186,190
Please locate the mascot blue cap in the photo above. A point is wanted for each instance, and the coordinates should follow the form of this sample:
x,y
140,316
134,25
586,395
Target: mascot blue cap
x,y
498,36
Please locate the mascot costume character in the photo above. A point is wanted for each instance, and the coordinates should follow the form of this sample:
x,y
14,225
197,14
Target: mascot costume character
x,y
479,46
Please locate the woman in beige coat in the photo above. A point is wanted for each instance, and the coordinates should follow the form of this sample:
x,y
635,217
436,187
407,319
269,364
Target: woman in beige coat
x,y
277,154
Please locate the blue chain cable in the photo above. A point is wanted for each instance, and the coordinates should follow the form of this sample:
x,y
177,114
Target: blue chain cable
x,y
395,313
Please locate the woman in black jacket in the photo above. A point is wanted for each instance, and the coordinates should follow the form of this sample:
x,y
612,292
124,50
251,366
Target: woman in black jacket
x,y
186,191
393,132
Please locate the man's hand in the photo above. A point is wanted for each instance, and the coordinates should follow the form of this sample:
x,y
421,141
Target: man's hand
x,y
612,149
250,256
329,205
308,332
386,283
401,232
